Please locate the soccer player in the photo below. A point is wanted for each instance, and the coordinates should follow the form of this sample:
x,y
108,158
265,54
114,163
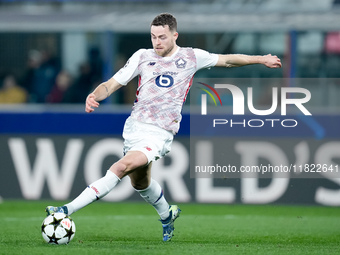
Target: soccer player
x,y
165,76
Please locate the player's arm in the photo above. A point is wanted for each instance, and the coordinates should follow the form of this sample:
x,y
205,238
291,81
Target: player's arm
x,y
236,60
103,91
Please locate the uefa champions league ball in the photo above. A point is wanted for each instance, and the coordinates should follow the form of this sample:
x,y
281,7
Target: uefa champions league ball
x,y
58,228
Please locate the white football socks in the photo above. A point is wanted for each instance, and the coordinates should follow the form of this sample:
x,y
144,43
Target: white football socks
x,y
93,192
154,196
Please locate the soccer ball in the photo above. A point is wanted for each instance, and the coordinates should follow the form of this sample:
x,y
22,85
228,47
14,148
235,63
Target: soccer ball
x,y
58,228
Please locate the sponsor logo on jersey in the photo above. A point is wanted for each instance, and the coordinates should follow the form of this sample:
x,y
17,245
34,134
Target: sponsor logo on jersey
x,y
165,73
164,81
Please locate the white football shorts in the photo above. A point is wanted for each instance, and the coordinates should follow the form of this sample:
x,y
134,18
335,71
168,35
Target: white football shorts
x,y
153,141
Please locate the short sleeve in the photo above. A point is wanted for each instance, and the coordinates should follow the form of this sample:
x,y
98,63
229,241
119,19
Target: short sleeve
x,y
130,70
205,59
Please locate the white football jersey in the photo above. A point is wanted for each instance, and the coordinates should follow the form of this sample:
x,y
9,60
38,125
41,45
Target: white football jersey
x,y
164,83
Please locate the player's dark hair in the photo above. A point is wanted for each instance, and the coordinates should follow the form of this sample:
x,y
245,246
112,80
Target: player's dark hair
x,y
164,19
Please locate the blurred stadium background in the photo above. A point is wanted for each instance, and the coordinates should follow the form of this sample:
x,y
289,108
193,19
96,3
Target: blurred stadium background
x,y
53,53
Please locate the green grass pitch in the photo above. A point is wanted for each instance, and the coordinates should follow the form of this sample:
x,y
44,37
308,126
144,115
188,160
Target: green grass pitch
x,y
133,228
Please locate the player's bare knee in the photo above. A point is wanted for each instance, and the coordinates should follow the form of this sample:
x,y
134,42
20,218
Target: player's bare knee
x,y
123,167
120,169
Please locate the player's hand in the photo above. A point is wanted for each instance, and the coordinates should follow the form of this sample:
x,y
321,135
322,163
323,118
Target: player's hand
x,y
272,61
90,103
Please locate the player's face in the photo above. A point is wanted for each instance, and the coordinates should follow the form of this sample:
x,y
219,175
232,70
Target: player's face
x,y
163,40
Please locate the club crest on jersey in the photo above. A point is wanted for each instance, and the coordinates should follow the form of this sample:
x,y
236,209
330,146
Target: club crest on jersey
x,y
181,63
